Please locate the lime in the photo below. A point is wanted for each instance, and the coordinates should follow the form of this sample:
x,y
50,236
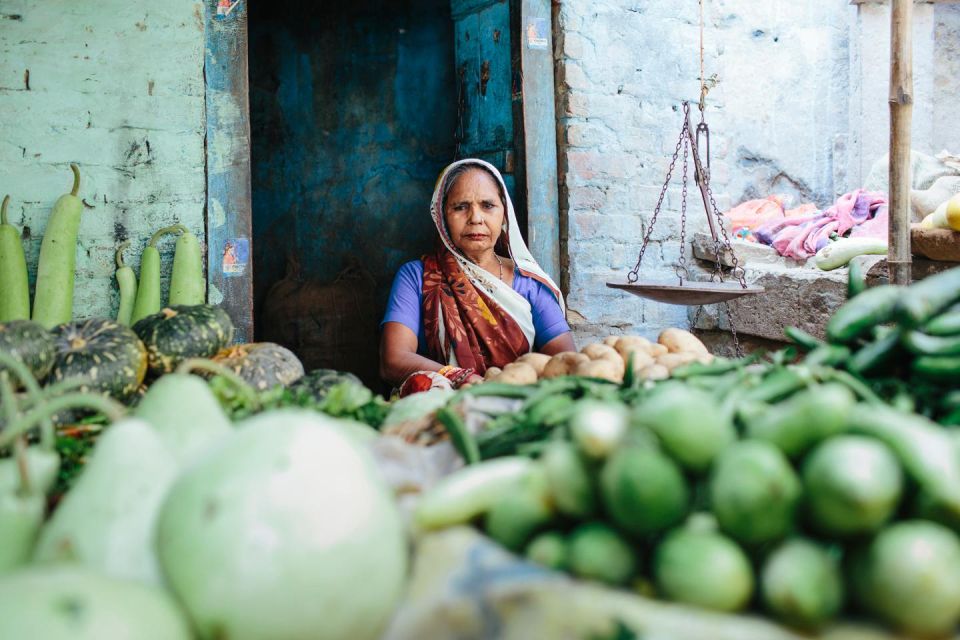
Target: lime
x,y
852,485
703,568
643,490
597,552
687,423
549,549
910,577
801,584
754,492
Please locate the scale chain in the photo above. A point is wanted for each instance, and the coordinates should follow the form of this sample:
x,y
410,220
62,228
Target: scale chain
x,y
681,269
633,276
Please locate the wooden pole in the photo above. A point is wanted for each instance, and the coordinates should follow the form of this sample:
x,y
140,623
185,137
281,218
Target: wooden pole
x,y
901,117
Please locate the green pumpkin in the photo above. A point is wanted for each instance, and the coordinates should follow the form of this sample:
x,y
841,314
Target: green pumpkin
x,y
262,364
107,353
29,343
181,332
317,383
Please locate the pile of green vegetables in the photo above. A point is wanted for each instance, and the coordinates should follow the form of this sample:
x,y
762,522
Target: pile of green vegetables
x,y
186,524
903,342
800,488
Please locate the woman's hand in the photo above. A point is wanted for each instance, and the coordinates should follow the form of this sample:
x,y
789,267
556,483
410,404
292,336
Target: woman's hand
x,y
474,379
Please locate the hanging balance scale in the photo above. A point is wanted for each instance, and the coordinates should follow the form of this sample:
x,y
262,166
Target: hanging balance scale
x,y
683,291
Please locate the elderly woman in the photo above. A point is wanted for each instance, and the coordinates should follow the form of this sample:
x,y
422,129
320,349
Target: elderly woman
x,y
479,301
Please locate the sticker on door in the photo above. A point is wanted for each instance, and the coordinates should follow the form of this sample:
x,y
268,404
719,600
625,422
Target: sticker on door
x,y
538,31
236,256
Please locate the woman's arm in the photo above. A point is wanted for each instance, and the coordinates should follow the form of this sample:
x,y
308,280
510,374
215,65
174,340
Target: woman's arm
x,y
398,354
562,343
399,357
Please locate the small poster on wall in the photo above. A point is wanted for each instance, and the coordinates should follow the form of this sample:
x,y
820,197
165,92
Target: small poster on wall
x,y
537,33
225,8
236,257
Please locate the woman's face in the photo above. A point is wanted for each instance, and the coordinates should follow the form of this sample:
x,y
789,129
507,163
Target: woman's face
x,y
474,212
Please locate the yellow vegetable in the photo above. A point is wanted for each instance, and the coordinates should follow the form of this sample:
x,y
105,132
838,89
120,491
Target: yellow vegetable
x,y
673,360
679,341
947,215
655,372
563,364
536,360
603,368
517,373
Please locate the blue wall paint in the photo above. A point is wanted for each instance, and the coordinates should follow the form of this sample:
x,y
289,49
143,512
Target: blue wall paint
x,y
353,113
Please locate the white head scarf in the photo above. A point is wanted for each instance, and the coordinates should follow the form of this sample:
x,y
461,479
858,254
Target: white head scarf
x,y
517,248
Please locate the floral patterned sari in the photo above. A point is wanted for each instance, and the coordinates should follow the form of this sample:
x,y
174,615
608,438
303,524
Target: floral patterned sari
x,y
472,318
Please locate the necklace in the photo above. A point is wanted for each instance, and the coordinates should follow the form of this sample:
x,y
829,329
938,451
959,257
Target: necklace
x,y
500,265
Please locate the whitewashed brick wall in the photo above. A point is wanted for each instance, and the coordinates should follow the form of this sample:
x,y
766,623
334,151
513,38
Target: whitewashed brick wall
x,y
800,85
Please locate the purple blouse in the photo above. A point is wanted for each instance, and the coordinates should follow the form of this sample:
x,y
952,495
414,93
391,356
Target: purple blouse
x,y
406,305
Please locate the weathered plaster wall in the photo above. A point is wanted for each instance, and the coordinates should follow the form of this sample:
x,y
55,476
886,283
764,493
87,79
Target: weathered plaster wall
x,y
936,78
116,87
800,86
353,114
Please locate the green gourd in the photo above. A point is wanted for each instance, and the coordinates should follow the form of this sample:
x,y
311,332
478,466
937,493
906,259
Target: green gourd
x,y
148,293
187,283
127,284
14,287
53,299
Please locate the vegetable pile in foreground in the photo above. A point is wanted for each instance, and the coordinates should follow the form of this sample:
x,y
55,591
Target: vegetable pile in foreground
x,y
805,489
185,524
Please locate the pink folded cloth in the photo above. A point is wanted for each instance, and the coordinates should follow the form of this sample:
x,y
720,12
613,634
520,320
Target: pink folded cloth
x,y
802,235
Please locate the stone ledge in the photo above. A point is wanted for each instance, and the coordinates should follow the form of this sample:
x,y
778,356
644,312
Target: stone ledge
x,y
748,253
801,297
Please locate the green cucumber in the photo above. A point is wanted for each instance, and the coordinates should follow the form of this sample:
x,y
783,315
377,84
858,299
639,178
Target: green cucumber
x,y
855,318
56,269
937,367
875,354
925,299
127,284
856,279
803,420
148,292
187,282
14,287
470,492
923,345
802,339
945,324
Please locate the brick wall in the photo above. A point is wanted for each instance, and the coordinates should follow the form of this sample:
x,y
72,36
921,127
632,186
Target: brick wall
x,y
787,116
116,87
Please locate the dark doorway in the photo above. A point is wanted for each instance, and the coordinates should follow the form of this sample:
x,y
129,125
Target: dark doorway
x,y
353,114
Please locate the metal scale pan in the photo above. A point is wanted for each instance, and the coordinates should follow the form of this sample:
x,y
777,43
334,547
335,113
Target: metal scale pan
x,y
691,293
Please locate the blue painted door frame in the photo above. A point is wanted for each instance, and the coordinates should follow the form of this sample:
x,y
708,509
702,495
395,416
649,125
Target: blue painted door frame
x,y
504,61
505,65
229,212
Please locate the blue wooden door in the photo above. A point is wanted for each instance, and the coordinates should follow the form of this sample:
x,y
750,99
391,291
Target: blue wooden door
x,y
504,66
484,76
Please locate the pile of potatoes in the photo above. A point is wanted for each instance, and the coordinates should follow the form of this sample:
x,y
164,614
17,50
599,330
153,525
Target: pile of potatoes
x,y
608,359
